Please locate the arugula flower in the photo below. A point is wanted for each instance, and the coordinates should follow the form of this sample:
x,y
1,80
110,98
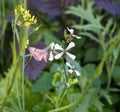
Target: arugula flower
x,y
72,33
56,47
65,51
72,69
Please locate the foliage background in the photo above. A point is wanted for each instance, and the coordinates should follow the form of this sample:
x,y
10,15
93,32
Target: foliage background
x,y
97,54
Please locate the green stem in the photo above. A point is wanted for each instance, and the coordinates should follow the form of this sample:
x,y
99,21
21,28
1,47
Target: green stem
x,y
19,103
110,73
23,92
61,99
64,68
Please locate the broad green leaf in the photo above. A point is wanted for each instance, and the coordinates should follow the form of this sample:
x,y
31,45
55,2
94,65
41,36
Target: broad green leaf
x,y
44,83
89,69
91,55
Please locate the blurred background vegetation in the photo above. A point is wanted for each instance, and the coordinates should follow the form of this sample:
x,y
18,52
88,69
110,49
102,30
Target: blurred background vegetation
x,y
97,22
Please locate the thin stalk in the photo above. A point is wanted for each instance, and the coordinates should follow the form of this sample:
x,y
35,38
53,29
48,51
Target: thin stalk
x,y
18,98
25,4
110,73
64,68
23,92
61,99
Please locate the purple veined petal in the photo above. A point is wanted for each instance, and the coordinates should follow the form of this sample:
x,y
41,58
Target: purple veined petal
x,y
71,55
78,37
70,71
68,64
58,47
71,45
77,73
59,55
51,57
70,30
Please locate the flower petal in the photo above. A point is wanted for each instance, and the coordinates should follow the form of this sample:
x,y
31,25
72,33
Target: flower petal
x,y
70,71
68,64
76,36
59,55
51,57
71,45
58,47
77,73
71,55
70,30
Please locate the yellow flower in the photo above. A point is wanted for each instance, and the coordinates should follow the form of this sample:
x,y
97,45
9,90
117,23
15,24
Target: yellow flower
x,y
27,24
26,15
33,20
19,23
74,81
21,9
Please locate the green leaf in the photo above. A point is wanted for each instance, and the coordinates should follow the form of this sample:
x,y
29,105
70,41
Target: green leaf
x,y
88,27
44,83
116,74
106,96
89,69
49,38
91,55
98,104
91,36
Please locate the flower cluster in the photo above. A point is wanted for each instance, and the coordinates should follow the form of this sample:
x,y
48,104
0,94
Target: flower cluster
x,y
24,17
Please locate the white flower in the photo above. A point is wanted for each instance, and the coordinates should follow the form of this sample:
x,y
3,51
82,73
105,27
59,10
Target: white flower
x,y
65,51
72,69
51,57
72,33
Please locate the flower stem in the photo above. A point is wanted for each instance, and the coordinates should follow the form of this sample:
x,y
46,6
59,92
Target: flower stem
x,y
23,92
65,74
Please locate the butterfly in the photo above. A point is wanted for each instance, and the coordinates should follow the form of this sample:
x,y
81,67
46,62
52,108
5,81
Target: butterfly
x,y
38,54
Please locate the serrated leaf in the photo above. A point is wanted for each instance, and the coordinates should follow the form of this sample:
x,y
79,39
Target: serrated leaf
x,y
98,104
88,27
106,96
89,35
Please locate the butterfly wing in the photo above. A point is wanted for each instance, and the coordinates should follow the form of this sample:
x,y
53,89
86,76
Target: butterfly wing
x,y
35,53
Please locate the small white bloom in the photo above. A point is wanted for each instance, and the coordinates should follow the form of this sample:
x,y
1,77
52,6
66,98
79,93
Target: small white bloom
x,y
72,69
51,56
70,30
72,33
59,55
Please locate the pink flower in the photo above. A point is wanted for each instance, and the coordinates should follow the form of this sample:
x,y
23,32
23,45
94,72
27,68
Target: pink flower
x,y
38,54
